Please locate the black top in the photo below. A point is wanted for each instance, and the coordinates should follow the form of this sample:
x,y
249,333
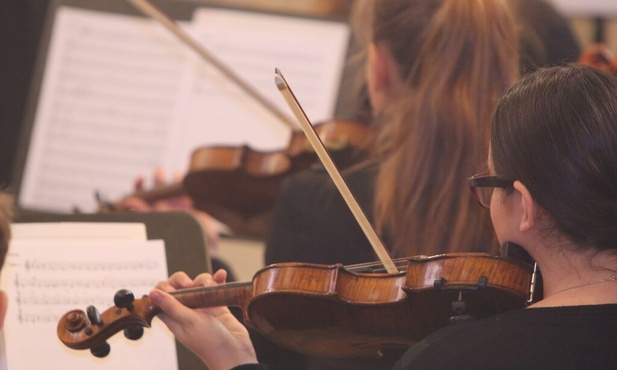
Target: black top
x,y
577,337
313,224
555,338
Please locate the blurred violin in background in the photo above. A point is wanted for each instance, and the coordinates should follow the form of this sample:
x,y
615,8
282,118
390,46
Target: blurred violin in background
x,y
599,56
238,185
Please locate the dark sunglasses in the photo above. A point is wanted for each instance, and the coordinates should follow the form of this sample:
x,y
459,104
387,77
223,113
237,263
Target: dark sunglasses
x,y
483,184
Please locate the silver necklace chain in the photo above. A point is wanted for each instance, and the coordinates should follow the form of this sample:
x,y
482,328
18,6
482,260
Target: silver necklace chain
x,y
611,279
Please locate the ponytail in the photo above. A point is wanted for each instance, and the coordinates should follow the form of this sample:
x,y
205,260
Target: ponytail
x,y
464,58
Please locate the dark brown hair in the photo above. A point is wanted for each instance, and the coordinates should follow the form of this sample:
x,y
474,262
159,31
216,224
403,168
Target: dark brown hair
x,y
556,132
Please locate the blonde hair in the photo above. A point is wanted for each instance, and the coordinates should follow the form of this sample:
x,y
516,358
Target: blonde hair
x,y
457,57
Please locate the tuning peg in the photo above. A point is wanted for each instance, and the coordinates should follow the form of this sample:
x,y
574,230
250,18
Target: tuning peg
x,y
101,350
124,299
94,316
134,332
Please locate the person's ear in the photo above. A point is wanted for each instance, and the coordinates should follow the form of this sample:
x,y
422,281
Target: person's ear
x,y
4,304
382,75
529,208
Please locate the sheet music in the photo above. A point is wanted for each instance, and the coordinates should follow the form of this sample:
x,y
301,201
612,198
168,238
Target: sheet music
x,y
585,7
121,96
44,280
111,87
83,231
313,52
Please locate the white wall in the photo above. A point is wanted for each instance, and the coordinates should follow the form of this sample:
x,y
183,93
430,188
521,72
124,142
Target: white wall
x,y
605,8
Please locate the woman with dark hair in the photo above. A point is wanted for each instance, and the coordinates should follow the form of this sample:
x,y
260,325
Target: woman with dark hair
x,y
552,189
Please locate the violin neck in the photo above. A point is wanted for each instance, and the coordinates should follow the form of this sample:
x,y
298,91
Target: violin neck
x,y
232,294
161,192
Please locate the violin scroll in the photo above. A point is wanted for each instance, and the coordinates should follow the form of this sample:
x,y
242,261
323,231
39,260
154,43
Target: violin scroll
x,y
90,330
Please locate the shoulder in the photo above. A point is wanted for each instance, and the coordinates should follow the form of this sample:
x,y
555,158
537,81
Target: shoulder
x,y
522,339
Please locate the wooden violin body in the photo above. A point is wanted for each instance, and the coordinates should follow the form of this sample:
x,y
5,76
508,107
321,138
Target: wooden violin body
x,y
329,311
235,184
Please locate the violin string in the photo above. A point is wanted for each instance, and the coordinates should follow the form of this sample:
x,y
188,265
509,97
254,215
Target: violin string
x,y
377,266
400,263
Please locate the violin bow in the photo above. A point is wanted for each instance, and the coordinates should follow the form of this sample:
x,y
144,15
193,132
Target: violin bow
x,y
324,157
153,12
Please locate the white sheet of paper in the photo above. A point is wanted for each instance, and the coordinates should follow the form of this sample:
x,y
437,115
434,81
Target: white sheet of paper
x,y
128,231
111,88
44,280
311,52
604,8
121,96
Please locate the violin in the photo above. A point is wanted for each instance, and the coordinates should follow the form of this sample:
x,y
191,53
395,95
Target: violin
x,y
238,184
348,143
600,57
330,310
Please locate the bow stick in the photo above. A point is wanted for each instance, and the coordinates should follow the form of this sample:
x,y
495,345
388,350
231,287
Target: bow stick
x,y
334,173
150,10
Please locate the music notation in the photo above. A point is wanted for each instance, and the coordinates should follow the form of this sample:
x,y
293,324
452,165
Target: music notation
x,y
44,279
35,264
120,96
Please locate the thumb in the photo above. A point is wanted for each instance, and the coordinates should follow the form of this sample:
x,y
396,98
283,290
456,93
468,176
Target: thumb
x,y
168,304
174,314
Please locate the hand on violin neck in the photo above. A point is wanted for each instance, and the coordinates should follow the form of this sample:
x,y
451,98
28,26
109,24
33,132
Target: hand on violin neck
x,y
163,195
213,334
167,196
181,280
159,178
